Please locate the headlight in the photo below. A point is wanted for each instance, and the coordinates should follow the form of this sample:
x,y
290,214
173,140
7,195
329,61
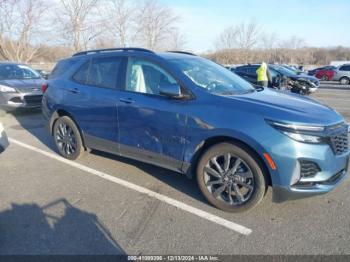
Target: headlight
x,y
303,138
7,89
300,133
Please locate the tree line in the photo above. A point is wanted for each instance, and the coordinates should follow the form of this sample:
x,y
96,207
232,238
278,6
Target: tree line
x,y
32,30
250,43
47,30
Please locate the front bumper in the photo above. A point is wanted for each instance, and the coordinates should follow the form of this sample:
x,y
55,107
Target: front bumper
x,y
12,101
281,194
313,89
291,181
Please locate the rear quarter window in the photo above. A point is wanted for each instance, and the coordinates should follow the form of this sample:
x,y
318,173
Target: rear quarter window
x,y
62,67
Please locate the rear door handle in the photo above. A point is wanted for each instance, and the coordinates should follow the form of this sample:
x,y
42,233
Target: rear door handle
x,y
126,100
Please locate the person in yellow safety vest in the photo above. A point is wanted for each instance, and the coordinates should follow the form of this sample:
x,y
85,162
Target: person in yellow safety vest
x,y
264,75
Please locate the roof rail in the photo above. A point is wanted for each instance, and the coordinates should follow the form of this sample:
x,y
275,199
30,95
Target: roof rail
x,y
126,49
182,52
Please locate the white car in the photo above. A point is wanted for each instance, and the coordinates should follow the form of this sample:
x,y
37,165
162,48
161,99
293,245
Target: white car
x,y
3,139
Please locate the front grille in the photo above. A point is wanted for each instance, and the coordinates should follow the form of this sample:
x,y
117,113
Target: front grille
x,y
308,169
340,143
33,100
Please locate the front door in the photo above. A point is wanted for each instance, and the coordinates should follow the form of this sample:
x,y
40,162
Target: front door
x,y
152,127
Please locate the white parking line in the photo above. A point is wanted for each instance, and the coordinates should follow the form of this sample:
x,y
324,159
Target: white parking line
x,y
193,210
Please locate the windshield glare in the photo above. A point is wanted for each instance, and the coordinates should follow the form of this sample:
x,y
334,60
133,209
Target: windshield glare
x,y
283,70
17,72
212,77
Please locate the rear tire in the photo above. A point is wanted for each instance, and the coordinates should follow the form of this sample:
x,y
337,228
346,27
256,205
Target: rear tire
x,y
231,178
67,138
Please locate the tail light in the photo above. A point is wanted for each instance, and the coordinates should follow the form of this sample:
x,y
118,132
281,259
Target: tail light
x,y
44,87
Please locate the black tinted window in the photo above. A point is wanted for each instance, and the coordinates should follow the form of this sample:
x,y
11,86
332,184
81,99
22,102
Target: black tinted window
x,y
104,72
81,75
252,70
345,68
241,69
62,67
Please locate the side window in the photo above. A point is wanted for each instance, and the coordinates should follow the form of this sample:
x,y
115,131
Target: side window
x,y
62,67
240,69
345,68
104,72
252,70
273,73
81,75
146,77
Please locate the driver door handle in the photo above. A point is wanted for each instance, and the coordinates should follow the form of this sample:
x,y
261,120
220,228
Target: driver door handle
x,y
127,100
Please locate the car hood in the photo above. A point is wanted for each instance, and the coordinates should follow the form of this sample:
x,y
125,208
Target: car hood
x,y
24,85
287,107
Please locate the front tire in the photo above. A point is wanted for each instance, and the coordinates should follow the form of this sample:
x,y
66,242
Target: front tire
x,y
67,138
324,78
344,81
230,178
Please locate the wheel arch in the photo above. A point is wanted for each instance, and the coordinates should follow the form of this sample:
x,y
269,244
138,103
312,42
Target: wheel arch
x,y
344,77
59,113
209,142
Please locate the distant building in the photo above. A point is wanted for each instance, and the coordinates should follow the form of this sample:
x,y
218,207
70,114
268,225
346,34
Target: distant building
x,y
339,63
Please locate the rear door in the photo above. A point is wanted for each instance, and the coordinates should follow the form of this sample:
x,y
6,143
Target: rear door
x,y
92,99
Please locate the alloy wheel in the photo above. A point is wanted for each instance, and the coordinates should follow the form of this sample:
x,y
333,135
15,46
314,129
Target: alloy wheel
x,y
344,81
229,179
65,139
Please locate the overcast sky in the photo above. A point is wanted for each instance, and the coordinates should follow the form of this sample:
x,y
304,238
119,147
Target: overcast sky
x,y
318,22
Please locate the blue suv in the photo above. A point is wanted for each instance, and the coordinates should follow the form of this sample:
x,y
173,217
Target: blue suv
x,y
188,114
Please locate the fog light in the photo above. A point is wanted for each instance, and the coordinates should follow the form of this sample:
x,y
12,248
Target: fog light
x,y
296,174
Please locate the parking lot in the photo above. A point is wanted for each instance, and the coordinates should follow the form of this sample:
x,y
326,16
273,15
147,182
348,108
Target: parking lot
x,y
104,204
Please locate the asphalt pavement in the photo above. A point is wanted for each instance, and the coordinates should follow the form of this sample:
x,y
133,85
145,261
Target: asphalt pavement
x,y
104,204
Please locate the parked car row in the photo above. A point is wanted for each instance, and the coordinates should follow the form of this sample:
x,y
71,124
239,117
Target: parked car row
x,y
191,115
332,73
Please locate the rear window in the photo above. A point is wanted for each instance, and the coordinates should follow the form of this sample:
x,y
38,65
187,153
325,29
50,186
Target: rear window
x,y
62,67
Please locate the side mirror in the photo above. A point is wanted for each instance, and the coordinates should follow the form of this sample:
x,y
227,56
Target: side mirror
x,y
170,90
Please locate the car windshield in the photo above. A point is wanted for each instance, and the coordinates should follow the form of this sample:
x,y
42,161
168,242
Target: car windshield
x,y
9,71
212,77
282,70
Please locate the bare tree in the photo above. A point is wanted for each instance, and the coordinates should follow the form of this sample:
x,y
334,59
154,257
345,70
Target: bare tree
x,y
228,38
156,24
120,22
177,41
76,18
293,42
244,36
248,35
21,23
269,42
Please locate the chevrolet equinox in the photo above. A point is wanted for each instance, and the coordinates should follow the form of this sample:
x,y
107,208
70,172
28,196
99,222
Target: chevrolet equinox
x,y
191,115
